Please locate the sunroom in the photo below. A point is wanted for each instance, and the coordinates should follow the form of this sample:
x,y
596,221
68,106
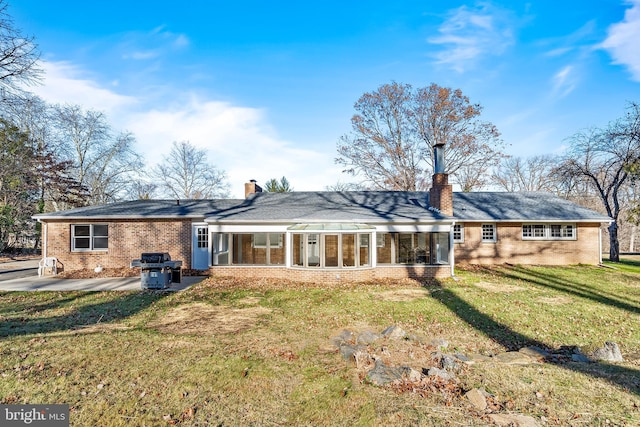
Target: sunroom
x,y
330,245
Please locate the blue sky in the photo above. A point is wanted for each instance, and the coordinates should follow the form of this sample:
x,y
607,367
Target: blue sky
x,y
268,87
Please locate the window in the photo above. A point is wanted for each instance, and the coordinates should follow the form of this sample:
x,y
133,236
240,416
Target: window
x,y
331,250
414,248
488,232
89,237
202,237
458,233
548,232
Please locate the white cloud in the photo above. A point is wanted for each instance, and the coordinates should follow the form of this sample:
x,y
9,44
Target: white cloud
x,y
623,40
564,81
66,83
470,33
238,139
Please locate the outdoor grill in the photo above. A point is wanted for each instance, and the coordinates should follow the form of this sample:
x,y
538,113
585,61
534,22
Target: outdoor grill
x,y
157,271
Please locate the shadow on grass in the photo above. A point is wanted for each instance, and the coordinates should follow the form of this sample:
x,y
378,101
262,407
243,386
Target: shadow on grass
x,y
567,286
627,378
110,306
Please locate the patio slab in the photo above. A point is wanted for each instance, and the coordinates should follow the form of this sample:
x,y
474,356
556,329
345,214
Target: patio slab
x,y
103,284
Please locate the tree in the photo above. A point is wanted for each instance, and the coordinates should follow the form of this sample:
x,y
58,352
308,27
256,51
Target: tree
x,y
396,127
57,189
18,54
103,162
535,173
275,186
473,147
186,173
17,183
604,158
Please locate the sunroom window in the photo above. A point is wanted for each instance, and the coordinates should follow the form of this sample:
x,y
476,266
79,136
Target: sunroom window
x,y
414,248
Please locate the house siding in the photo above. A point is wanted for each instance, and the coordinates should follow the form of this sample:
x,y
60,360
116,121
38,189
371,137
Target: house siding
x,y
127,240
511,248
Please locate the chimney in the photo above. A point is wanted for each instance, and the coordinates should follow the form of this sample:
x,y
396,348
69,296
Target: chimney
x,y
441,192
251,187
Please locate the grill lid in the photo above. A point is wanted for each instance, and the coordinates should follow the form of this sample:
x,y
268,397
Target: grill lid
x,y
155,257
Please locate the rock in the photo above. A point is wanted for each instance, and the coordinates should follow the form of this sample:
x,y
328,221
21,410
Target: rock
x,y
394,333
439,343
478,358
515,420
367,337
609,353
534,352
363,359
514,358
382,375
477,399
348,350
449,363
461,357
414,376
441,373
344,337
580,358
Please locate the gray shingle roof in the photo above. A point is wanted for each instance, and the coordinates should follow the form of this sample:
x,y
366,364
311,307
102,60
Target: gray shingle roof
x,y
358,206
520,206
350,206
145,209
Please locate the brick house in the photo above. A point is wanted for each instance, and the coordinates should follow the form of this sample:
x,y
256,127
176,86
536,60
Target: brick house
x,y
330,236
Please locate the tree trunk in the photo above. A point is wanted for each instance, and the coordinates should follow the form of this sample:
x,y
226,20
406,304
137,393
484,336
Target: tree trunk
x,y
614,245
632,240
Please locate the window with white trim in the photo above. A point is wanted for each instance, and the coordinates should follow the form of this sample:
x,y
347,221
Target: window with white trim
x,y
489,233
458,233
548,232
89,237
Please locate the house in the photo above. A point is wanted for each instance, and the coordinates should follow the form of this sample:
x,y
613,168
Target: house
x,y
331,236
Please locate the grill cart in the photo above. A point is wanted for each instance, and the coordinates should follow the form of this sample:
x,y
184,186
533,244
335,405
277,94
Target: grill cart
x,y
157,271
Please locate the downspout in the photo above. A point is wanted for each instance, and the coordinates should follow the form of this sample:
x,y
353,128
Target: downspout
x,y
44,238
452,256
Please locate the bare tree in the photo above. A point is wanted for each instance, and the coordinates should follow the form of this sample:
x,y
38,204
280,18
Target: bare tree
x,y
395,129
186,173
103,162
535,173
473,147
383,145
18,54
604,157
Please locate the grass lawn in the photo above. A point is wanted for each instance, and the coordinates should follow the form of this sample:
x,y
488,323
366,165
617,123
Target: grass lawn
x,y
230,352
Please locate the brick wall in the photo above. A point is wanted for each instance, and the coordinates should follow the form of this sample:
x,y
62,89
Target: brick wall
x,y
510,248
127,240
441,193
333,276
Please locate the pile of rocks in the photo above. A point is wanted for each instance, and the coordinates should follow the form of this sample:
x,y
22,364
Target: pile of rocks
x,y
371,353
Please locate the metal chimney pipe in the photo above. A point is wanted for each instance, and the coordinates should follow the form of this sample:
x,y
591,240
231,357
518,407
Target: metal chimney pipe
x,y
438,158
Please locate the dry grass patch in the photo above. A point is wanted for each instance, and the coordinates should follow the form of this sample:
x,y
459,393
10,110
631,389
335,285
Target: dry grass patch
x,y
499,287
404,295
205,319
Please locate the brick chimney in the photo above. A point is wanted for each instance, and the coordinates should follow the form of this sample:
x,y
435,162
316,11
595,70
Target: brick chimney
x,y
251,187
441,192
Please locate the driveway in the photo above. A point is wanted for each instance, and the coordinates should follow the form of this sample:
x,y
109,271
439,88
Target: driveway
x,y
23,276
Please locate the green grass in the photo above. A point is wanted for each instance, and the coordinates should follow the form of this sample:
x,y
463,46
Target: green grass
x,y
260,354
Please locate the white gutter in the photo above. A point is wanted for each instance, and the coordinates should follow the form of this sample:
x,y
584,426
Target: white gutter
x,y
452,257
